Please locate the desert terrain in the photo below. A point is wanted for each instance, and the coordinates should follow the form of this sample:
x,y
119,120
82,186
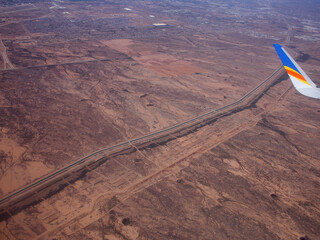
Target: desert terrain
x,y
80,76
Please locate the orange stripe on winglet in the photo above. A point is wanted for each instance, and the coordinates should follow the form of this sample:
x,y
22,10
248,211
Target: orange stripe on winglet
x,y
297,75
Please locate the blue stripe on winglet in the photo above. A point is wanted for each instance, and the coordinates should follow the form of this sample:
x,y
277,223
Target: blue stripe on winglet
x,y
284,58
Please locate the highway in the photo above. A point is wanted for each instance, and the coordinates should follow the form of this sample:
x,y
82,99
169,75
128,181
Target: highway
x,y
72,169
9,200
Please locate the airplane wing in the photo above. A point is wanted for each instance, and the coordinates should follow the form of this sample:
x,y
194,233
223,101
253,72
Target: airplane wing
x,y
298,77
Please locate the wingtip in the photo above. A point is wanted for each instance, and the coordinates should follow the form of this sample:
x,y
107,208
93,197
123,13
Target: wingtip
x,y
277,45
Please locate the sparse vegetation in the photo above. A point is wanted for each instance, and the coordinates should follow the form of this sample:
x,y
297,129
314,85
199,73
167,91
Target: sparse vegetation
x,y
88,75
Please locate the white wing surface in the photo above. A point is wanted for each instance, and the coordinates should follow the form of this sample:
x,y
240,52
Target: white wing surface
x,y
298,77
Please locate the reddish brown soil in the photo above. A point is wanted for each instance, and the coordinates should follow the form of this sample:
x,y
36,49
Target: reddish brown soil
x,y
88,76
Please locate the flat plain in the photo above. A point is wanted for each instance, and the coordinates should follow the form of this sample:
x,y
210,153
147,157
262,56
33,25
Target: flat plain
x,y
79,76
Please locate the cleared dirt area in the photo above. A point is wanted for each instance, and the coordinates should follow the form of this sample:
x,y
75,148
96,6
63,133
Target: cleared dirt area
x,y
88,75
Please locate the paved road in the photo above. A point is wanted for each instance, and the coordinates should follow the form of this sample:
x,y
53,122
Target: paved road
x,y
73,168
53,177
98,155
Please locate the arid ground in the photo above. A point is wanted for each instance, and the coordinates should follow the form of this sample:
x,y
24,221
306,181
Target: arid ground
x,y
78,76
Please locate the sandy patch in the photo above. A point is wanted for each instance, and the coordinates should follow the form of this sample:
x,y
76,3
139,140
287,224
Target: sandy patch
x,y
233,163
121,45
11,148
19,175
14,173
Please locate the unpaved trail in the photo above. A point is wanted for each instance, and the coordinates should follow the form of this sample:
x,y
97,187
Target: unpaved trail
x,y
6,62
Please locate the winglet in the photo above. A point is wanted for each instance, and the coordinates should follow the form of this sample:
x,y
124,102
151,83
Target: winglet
x,y
284,57
298,77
